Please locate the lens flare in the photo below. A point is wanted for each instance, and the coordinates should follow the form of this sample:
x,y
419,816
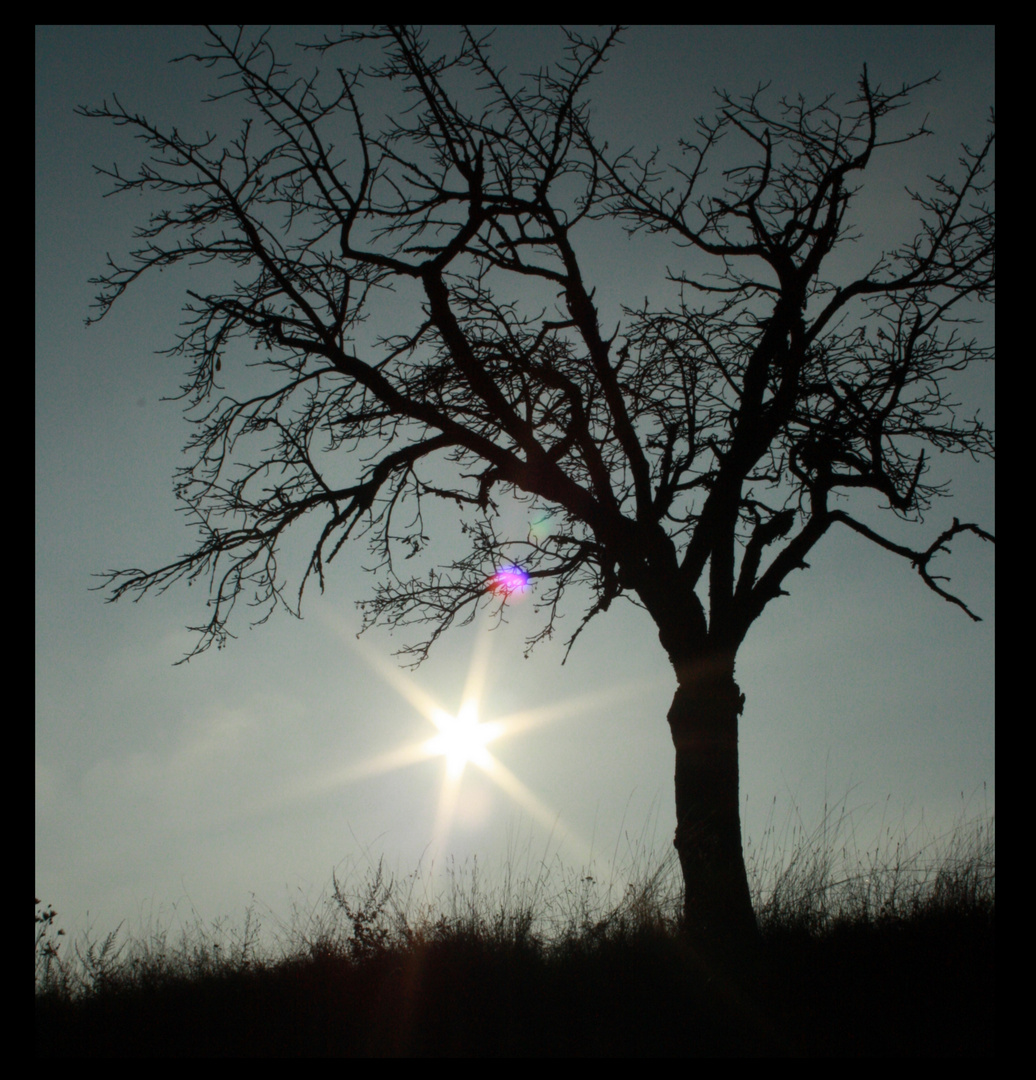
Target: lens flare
x,y
509,580
541,528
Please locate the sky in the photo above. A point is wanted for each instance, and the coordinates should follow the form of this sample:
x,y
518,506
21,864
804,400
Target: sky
x,y
166,794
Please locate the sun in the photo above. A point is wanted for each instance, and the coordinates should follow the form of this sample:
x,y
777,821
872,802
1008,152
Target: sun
x,y
462,739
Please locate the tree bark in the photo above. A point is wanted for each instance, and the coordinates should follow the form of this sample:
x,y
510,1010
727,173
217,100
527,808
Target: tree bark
x,y
703,722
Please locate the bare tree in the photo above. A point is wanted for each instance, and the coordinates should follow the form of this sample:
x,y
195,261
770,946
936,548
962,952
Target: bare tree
x,y
700,442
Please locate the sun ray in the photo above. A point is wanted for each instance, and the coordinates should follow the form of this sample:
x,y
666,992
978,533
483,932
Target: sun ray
x,y
462,739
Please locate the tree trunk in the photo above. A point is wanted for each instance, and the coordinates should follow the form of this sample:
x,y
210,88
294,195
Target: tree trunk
x,y
703,721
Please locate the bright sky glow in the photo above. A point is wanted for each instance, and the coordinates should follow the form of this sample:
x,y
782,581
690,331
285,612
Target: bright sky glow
x,y
463,738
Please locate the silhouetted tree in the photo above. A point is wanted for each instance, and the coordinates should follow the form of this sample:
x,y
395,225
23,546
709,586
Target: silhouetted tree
x,y
698,442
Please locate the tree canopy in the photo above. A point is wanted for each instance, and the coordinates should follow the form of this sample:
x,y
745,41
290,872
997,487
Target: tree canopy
x,y
725,420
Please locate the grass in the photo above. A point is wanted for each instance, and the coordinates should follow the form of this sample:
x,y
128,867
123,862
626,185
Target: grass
x,y
880,951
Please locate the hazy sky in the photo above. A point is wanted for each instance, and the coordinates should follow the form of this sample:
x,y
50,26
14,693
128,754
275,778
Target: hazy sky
x,y
162,790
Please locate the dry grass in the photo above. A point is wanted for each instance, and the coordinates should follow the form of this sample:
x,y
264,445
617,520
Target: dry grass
x,y
884,949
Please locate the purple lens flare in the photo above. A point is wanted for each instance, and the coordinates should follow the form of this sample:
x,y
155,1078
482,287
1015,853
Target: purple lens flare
x,y
509,580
